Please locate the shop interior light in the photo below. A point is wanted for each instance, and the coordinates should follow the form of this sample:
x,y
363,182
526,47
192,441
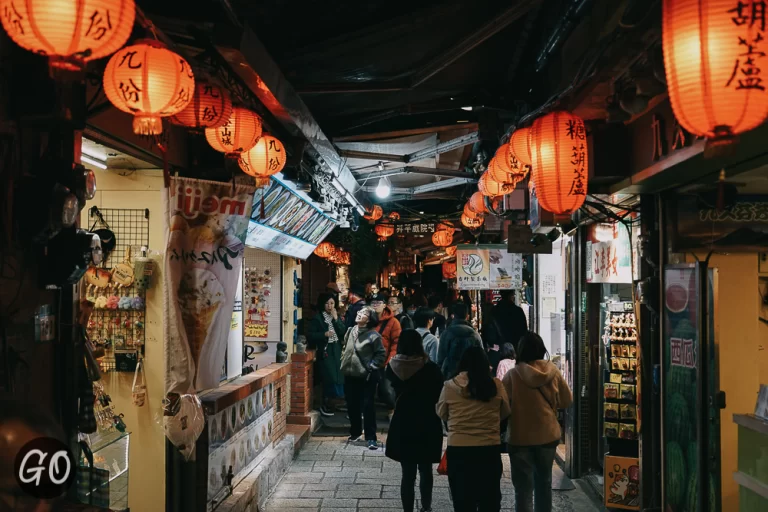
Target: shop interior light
x,y
468,109
384,188
92,161
96,155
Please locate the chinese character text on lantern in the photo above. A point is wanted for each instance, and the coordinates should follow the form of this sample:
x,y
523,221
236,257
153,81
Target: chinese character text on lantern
x,y
210,107
150,82
560,162
240,133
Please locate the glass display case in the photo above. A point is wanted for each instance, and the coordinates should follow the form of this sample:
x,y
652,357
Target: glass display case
x,y
752,475
110,453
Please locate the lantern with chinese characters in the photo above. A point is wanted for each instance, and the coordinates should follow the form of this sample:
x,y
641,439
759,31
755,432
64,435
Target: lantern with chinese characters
x,y
492,188
560,162
520,144
508,163
150,82
442,238
263,160
210,107
444,226
450,251
713,55
375,213
325,250
394,216
469,212
384,230
449,270
239,134
477,203
471,223
69,32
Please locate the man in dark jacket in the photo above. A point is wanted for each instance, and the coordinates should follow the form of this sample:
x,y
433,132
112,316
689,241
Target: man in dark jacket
x,y
356,303
458,337
510,319
395,303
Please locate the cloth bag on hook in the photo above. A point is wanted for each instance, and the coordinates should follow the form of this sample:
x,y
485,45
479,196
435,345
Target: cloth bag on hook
x,y
139,387
183,422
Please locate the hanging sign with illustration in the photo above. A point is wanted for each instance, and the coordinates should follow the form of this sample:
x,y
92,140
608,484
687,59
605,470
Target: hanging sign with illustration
x,y
488,267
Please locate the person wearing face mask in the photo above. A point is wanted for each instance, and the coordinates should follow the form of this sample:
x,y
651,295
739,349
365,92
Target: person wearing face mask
x,y
325,332
362,359
396,305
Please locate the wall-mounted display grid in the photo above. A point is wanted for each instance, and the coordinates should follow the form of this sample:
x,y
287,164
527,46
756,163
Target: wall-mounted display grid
x,y
262,297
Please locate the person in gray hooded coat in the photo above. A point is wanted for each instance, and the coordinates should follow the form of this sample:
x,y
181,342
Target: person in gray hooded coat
x,y
415,434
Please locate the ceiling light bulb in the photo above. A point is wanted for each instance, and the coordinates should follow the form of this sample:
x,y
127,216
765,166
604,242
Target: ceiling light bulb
x,y
421,213
468,109
384,188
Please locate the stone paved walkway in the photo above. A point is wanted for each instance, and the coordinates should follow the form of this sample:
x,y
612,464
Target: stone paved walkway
x,y
331,475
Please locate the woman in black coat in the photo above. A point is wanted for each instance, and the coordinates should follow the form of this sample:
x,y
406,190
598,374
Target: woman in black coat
x,y
416,433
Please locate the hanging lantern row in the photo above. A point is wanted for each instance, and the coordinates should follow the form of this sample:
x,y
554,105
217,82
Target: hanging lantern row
x,y
472,223
384,230
341,257
325,250
449,270
442,238
394,216
374,213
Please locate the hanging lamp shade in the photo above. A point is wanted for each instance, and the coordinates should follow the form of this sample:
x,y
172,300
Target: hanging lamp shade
x,y
149,81
560,162
477,203
394,216
69,32
210,107
497,172
449,270
471,213
263,160
471,223
520,144
444,226
450,251
384,230
508,163
325,250
492,188
713,55
374,213
239,134
442,238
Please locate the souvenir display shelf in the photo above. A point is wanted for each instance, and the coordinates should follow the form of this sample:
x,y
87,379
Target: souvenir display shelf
x,y
110,452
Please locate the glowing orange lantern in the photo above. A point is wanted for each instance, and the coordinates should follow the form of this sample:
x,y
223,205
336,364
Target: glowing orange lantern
x,y
239,134
150,82
472,223
384,230
394,216
449,270
560,162
477,203
442,238
712,59
210,107
508,163
325,250
450,251
469,212
375,213
520,144
492,188
444,226
263,160
69,32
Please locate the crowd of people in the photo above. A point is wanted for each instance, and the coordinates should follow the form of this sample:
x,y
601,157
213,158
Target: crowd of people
x,y
490,393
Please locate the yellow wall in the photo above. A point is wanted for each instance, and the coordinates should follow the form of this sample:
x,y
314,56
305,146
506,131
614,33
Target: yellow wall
x,y
289,265
742,361
142,189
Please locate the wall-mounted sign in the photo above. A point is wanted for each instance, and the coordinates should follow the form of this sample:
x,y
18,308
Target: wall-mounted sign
x,y
488,267
291,223
609,253
415,228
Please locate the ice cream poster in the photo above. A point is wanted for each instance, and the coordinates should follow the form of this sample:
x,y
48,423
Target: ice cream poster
x,y
206,227
622,483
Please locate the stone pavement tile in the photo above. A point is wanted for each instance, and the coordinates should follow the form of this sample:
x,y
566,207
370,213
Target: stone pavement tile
x,y
312,456
304,463
338,503
338,480
322,486
369,481
334,509
358,494
328,463
374,509
318,494
345,457
292,503
360,463
303,478
380,503
289,493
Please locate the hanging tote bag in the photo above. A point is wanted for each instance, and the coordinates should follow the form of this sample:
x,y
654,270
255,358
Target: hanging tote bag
x,y
139,388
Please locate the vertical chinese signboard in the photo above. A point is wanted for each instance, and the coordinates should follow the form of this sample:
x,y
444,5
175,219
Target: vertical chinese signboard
x,y
609,254
682,375
488,267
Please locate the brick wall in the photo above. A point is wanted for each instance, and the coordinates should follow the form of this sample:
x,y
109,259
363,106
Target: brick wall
x,y
302,366
280,399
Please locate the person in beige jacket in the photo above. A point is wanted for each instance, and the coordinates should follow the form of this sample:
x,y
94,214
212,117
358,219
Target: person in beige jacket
x,y
474,404
536,390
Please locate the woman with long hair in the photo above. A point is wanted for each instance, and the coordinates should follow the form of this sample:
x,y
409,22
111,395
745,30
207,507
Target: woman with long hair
x,y
362,358
324,335
536,390
415,437
474,404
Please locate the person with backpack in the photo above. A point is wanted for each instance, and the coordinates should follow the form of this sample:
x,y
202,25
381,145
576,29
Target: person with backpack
x,y
395,303
474,404
423,319
457,338
415,438
536,390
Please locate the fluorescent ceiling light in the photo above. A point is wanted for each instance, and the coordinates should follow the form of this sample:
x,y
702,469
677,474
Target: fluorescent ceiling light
x,y
384,188
421,213
92,161
102,157
468,109
463,121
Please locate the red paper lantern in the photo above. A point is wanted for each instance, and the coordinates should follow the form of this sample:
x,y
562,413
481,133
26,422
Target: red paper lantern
x,y
469,212
375,213
450,251
492,188
508,163
384,230
713,55
239,134
325,250
394,216
449,270
263,160
444,226
477,203
150,82
442,238
560,162
520,144
472,223
69,32
210,107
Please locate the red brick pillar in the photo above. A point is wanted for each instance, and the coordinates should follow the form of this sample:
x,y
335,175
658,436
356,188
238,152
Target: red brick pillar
x,y
301,388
